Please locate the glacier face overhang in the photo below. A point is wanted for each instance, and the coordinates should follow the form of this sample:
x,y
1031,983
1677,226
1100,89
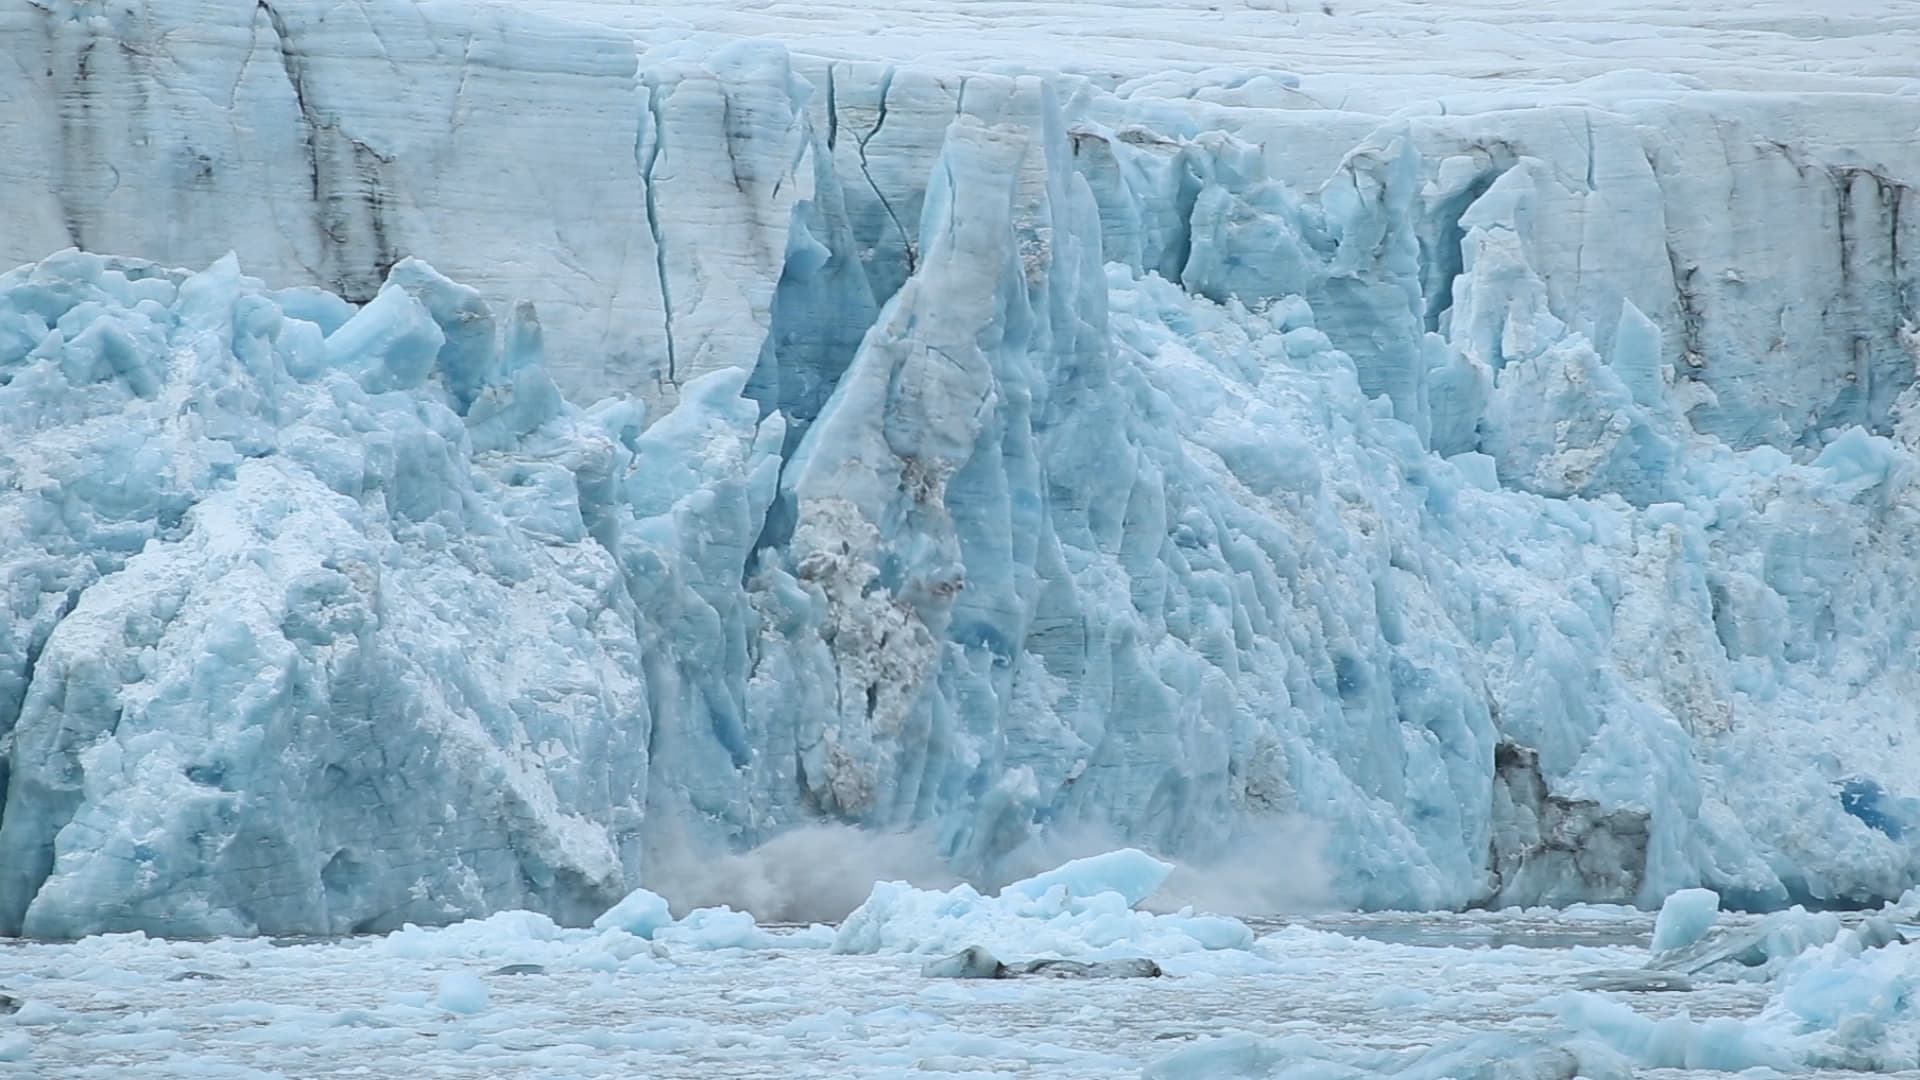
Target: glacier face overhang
x,y
1517,485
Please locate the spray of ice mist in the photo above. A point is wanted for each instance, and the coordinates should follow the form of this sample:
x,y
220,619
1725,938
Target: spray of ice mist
x,y
1274,867
813,873
821,872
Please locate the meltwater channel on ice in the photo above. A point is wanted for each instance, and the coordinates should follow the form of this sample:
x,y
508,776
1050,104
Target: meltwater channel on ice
x,y
546,471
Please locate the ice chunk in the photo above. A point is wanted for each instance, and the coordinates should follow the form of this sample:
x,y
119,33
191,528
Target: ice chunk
x,y
1039,915
640,913
713,928
15,1046
390,344
522,942
1638,356
462,993
1130,873
503,933
1777,938
1684,918
1720,1044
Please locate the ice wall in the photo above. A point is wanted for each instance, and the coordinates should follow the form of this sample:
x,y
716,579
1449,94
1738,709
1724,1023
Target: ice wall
x,y
1499,490
639,186
301,638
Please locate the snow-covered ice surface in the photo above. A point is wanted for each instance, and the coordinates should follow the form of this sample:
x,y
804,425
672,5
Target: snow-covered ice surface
x,y
516,147
1482,456
514,995
1362,53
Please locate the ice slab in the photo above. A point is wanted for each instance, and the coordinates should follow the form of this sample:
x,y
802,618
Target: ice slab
x,y
1684,918
1083,910
1129,873
640,913
462,994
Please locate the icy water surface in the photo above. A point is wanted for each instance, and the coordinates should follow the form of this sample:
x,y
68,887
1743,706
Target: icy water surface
x,y
432,1005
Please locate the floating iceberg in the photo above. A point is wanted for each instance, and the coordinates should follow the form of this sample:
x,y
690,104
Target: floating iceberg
x,y
1083,910
641,913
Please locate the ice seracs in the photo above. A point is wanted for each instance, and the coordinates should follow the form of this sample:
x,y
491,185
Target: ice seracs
x,y
1084,910
288,642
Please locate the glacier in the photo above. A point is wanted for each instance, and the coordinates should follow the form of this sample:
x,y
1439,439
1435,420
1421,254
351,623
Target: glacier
x,y
633,426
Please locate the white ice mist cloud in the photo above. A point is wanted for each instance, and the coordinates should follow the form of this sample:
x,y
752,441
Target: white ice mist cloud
x,y
821,872
813,873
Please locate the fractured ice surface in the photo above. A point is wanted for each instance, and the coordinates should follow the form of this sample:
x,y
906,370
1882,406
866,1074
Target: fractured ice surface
x,y
1520,489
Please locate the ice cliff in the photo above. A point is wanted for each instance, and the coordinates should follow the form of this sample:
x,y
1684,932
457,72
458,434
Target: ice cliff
x,y
1519,487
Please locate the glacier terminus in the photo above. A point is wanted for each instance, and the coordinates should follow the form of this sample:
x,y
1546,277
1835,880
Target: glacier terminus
x,y
451,451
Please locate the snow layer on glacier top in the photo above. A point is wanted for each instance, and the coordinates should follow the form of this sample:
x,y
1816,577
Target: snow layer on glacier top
x,y
1387,52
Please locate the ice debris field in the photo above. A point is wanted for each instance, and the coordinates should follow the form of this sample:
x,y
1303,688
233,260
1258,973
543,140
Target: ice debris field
x,y
641,993
461,458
